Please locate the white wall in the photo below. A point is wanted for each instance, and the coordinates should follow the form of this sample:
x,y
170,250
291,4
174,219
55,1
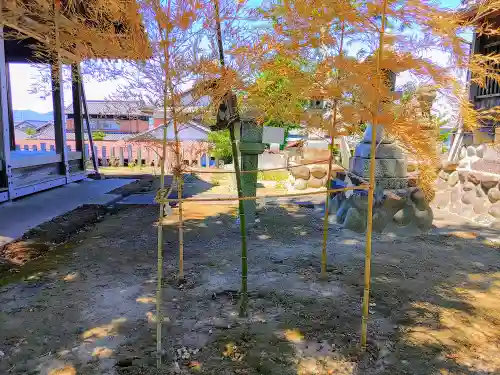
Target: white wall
x,y
268,161
187,133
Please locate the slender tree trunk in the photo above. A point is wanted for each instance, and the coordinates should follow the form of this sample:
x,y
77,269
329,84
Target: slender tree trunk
x,y
369,219
243,230
159,281
324,255
180,182
241,207
159,277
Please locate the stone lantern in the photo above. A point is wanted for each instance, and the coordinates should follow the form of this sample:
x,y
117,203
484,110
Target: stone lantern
x,y
250,144
398,207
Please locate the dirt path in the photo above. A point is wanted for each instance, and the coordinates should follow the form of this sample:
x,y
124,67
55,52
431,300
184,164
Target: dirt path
x,y
87,307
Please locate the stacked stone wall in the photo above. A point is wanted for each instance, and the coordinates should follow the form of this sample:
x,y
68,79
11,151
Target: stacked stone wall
x,y
468,192
308,176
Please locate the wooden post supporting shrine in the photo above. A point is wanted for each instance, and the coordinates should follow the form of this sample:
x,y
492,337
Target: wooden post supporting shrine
x,y
77,111
5,137
120,152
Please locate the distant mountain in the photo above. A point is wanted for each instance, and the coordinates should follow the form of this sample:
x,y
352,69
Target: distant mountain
x,y
26,114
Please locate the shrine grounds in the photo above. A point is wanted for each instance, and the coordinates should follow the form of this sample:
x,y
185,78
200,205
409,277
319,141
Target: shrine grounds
x,y
87,304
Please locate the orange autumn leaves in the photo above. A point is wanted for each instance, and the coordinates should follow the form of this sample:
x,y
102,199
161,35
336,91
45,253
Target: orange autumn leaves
x,y
89,32
417,30
314,31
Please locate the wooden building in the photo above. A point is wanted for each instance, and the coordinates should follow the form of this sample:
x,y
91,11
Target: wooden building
x,y
483,97
69,39
488,96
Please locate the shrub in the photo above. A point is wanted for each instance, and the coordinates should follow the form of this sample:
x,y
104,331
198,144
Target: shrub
x,y
98,135
215,180
278,176
114,162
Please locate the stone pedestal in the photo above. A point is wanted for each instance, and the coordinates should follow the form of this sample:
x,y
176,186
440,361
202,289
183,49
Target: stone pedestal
x,y
391,164
397,207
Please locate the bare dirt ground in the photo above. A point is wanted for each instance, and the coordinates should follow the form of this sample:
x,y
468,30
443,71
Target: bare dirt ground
x,y
87,306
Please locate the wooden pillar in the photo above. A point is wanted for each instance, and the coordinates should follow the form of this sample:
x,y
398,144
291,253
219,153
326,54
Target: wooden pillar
x,y
130,155
121,157
104,157
59,117
10,117
5,137
139,156
76,89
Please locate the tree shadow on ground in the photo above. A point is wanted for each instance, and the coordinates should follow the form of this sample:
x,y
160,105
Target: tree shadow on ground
x,y
433,311
433,295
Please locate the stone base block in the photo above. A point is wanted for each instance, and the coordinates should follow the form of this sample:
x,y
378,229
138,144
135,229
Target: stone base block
x,y
387,183
383,167
392,183
384,151
401,211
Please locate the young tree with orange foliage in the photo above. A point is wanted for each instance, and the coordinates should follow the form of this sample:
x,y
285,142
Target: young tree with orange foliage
x,y
353,79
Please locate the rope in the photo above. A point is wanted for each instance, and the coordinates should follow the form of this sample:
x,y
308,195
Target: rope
x,y
222,199
340,168
259,170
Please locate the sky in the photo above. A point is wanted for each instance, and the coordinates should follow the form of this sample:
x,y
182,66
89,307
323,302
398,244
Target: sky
x,y
23,76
